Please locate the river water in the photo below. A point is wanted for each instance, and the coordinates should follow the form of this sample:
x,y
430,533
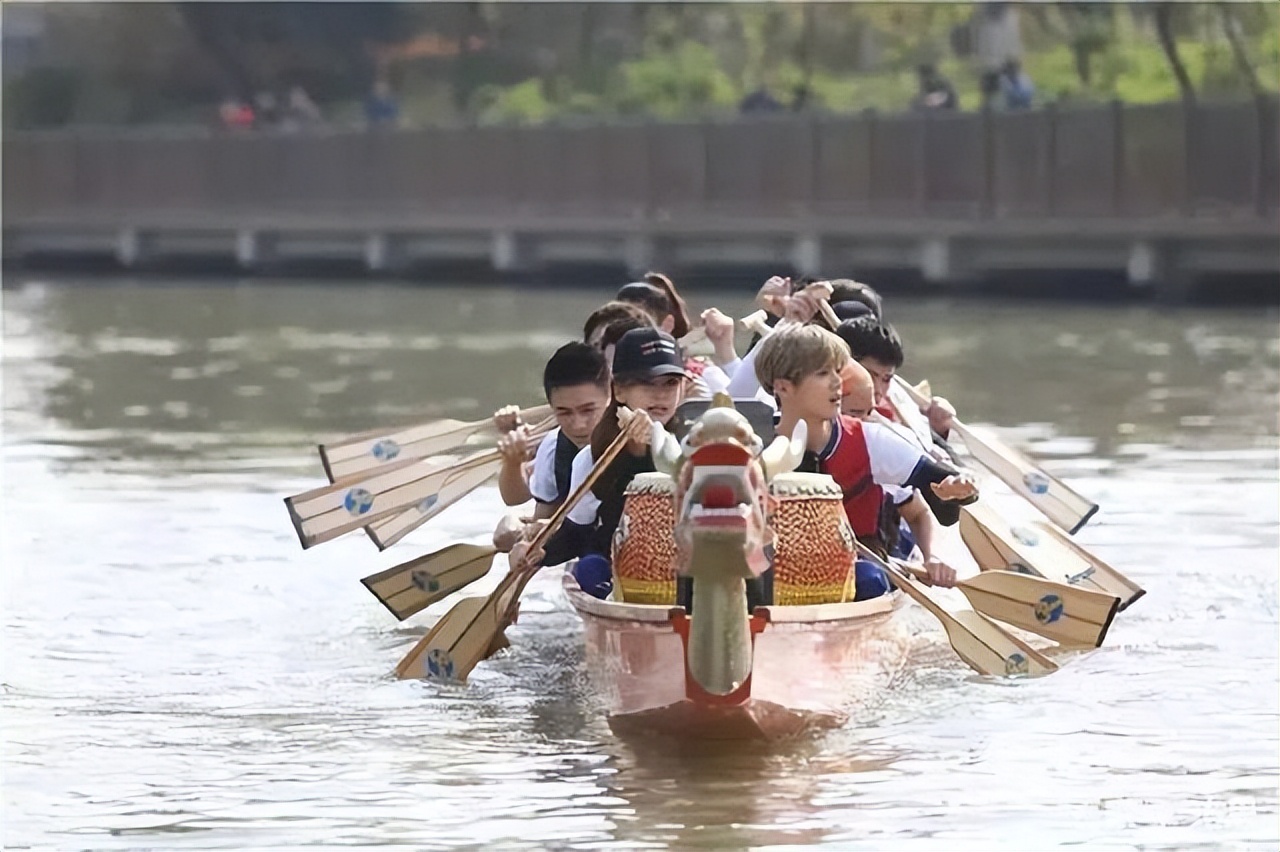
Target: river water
x,y
179,675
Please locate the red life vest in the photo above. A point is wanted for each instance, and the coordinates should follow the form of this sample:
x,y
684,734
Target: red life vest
x,y
846,460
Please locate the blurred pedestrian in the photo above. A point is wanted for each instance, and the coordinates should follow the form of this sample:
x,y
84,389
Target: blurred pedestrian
x,y
936,91
300,111
381,109
1016,86
235,114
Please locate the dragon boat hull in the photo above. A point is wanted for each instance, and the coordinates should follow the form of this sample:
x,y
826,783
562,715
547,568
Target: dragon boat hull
x,y
811,666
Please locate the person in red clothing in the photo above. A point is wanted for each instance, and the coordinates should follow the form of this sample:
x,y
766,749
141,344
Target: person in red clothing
x,y
801,367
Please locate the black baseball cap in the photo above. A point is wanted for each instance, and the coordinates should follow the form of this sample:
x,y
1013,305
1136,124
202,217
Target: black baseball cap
x,y
646,353
851,309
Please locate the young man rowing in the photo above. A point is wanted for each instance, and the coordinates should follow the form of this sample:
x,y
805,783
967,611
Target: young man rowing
x,y
801,366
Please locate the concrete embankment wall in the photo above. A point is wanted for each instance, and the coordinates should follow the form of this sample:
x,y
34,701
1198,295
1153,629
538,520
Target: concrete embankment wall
x,y
1159,197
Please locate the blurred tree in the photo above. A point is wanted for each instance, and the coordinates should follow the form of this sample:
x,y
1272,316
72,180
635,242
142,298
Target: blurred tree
x,y
1165,12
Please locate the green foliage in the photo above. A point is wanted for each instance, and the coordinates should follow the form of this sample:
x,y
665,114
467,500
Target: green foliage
x,y
537,62
684,80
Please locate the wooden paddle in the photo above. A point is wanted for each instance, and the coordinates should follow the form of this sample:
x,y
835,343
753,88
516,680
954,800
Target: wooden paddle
x,y
325,513
389,530
1050,495
466,633
369,451
1040,549
410,587
1068,615
980,642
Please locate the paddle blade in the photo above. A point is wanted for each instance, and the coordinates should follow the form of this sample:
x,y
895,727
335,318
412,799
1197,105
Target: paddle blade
x,y
368,454
990,650
390,530
1053,497
1066,614
1039,549
411,587
326,513
1098,572
984,645
368,451
466,635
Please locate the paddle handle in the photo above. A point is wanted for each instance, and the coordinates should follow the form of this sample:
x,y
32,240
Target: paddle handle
x,y
907,584
828,314
610,453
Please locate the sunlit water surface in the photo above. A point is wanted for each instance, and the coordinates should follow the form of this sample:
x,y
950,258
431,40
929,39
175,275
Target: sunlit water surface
x,y
178,674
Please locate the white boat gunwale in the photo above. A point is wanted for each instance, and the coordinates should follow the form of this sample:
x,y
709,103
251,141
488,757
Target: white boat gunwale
x,y
803,615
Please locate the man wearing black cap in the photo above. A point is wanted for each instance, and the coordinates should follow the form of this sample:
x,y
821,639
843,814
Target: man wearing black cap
x,y
649,379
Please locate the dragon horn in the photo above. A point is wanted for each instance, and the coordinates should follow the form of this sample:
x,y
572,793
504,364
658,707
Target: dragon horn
x,y
784,454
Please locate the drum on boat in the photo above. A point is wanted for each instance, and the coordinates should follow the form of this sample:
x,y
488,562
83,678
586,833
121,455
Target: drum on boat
x,y
815,549
644,546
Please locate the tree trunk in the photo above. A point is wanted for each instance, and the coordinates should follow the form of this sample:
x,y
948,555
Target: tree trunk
x,y
1231,28
1168,43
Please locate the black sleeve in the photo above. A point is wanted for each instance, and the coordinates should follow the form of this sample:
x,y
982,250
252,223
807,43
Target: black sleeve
x,y
927,472
946,511
568,542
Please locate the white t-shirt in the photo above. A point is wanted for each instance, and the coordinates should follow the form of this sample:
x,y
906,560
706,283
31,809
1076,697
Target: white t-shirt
x,y
584,513
893,457
542,479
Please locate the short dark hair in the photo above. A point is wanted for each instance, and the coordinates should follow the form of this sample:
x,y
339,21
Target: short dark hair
x,y
848,290
608,312
613,331
575,363
869,337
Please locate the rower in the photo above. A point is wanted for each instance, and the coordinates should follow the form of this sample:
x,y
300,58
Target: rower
x,y
649,379
801,367
875,345
907,504
576,383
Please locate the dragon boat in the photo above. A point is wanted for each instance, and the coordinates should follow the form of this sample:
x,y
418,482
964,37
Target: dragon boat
x,y
720,511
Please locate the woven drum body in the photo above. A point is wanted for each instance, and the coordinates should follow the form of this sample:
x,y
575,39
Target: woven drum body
x,y
813,562
644,546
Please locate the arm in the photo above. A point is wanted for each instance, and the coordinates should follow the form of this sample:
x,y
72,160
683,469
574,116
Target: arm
x,y
719,330
512,484
916,514
896,461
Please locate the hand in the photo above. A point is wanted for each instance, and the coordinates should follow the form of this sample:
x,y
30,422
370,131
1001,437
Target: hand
x,y
508,532
515,446
801,308
638,427
506,419
773,295
940,573
523,557
941,416
719,330
958,487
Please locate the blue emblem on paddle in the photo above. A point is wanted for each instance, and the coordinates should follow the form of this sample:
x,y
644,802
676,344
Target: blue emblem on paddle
x,y
1016,664
1025,536
1036,482
425,581
1049,609
427,503
358,501
385,450
439,663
